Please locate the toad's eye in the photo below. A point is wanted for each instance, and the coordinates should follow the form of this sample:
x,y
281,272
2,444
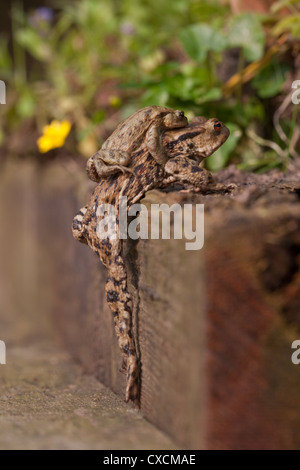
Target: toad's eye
x,y
180,113
217,126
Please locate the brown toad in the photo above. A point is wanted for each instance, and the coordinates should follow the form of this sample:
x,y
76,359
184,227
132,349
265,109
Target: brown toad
x,y
144,127
185,147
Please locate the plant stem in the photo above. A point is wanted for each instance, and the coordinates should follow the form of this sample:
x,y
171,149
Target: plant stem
x,y
19,58
241,64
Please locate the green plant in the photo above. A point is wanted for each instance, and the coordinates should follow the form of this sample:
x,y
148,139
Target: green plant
x,y
96,59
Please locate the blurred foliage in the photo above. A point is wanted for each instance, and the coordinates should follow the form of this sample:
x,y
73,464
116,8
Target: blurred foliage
x,y
94,62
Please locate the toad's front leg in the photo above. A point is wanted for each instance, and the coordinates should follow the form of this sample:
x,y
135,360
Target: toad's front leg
x,y
187,170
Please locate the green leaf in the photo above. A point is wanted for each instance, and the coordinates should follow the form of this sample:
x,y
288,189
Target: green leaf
x,y
5,58
31,41
246,32
270,80
200,38
277,6
207,95
207,11
291,23
220,158
268,161
157,95
98,116
26,104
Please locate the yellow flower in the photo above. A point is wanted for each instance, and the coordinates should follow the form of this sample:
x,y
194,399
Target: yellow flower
x,y
114,101
54,135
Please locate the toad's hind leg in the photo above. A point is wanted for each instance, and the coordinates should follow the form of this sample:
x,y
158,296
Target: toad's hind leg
x,y
120,303
109,251
107,162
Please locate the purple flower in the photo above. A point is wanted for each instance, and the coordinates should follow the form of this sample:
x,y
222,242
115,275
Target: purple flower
x,y
127,28
45,13
40,18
